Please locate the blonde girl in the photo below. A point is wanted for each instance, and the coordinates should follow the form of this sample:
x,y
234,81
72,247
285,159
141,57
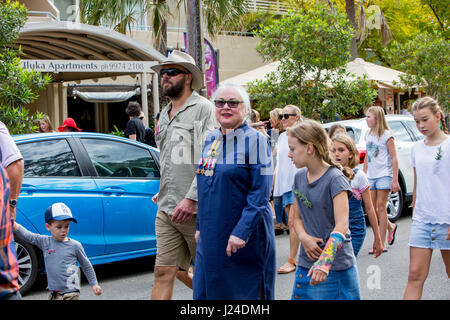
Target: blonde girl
x,y
45,125
430,228
320,214
344,152
381,167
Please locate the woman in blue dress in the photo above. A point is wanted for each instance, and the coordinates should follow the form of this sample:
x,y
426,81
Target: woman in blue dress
x,y
235,256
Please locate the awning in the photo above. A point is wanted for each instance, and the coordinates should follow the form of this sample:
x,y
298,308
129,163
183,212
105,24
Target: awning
x,y
104,93
105,97
76,42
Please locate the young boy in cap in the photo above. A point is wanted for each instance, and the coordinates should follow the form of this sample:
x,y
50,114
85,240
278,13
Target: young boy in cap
x,y
61,254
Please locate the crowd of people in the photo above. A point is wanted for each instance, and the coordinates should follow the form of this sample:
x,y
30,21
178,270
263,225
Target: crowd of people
x,y
215,223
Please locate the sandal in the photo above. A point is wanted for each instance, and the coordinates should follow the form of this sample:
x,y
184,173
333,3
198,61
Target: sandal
x,y
278,229
289,266
371,251
391,237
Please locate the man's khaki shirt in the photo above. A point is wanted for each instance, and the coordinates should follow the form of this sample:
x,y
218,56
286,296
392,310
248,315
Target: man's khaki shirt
x,y
180,141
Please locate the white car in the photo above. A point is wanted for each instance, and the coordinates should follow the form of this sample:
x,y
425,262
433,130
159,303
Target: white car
x,y
405,135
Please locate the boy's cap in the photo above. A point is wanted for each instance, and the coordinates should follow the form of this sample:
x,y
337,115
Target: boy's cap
x,y
58,211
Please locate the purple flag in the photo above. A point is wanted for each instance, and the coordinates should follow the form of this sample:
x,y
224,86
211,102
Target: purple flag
x,y
211,68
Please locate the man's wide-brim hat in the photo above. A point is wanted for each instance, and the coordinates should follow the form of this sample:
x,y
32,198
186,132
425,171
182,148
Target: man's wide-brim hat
x,y
186,61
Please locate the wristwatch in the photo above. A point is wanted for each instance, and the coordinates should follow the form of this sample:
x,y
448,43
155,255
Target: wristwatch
x,y
13,203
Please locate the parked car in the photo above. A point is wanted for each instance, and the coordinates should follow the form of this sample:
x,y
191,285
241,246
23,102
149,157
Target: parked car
x,y
107,181
405,135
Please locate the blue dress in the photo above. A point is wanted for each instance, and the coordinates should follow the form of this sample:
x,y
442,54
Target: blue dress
x,y
235,201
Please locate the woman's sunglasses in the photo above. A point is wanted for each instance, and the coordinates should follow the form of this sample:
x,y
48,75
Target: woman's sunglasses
x,y
230,103
172,72
286,116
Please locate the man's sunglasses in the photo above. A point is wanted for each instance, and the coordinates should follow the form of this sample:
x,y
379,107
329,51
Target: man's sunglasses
x,y
172,72
286,116
230,103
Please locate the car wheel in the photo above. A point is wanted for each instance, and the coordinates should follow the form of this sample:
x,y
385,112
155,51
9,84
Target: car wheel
x,y
395,205
28,265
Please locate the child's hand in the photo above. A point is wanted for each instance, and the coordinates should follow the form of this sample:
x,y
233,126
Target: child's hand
x,y
377,248
395,187
318,276
312,249
97,290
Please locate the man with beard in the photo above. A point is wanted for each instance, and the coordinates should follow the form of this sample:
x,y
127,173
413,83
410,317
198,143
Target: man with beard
x,y
183,125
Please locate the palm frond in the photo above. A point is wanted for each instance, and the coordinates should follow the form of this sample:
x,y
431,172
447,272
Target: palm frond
x,y
222,14
363,31
386,33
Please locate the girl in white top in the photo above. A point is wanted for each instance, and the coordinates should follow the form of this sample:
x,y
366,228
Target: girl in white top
x,y
283,181
430,229
381,167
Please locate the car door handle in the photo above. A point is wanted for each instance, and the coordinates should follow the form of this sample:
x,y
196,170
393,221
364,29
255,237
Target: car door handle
x,y
117,190
28,188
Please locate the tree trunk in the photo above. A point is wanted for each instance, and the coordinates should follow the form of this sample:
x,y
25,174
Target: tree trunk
x,y
195,38
161,45
351,15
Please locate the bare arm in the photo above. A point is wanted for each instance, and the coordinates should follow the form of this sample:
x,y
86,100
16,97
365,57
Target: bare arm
x,y
15,174
414,190
391,148
340,205
132,137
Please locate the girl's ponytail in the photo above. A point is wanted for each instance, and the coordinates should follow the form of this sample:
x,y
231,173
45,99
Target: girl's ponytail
x,y
348,172
443,125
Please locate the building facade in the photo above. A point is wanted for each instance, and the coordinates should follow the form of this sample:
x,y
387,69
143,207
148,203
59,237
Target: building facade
x,y
109,92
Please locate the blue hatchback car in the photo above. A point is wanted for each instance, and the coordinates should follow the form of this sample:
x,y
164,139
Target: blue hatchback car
x,y
108,183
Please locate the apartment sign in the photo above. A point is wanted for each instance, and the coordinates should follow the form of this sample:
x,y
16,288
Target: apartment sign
x,y
56,66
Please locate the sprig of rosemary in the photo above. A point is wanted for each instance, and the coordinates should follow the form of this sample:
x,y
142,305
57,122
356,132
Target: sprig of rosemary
x,y
302,197
439,153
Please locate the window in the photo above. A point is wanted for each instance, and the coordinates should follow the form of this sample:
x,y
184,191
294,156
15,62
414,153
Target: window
x,y
353,133
412,125
119,159
400,132
49,158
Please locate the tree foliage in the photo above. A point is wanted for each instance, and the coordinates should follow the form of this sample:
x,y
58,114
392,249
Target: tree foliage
x,y
313,48
120,15
17,86
426,61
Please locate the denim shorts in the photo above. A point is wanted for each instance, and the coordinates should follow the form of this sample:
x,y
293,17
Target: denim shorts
x,y
288,198
429,236
382,183
339,285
